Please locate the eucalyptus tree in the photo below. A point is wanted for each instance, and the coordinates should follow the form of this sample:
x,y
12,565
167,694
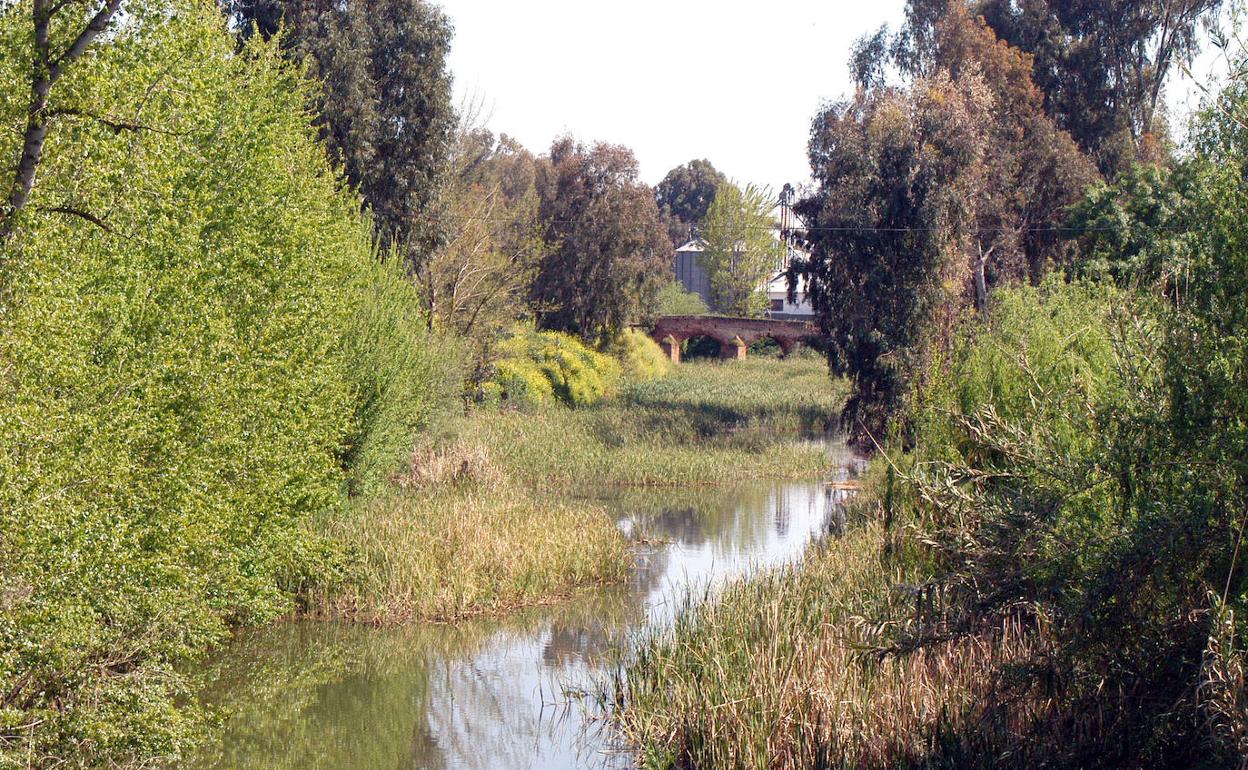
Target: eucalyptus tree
x,y
607,253
1102,65
684,197
927,196
384,109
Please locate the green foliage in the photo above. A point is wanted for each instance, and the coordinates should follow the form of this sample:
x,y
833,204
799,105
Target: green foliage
x,y
673,299
606,250
1103,67
928,198
1129,231
640,357
189,304
1066,521
705,423
1044,348
684,197
382,99
534,367
741,252
401,374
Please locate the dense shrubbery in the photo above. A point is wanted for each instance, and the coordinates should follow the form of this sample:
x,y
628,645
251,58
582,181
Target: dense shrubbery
x,y
536,368
399,376
186,377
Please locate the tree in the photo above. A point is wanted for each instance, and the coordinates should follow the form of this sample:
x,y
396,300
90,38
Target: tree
x,y
684,197
672,299
1101,64
926,198
477,281
1127,230
607,251
385,107
742,251
62,33
185,371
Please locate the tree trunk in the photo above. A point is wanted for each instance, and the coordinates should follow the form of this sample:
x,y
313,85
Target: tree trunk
x,y
981,283
47,71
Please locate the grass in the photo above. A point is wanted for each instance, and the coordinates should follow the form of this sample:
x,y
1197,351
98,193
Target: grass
x,y
486,519
455,537
819,665
706,423
791,395
470,550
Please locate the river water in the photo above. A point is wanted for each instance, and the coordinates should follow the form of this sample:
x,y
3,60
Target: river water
x,y
512,692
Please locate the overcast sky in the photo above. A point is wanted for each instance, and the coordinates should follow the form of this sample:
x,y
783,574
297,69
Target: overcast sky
x,y
732,81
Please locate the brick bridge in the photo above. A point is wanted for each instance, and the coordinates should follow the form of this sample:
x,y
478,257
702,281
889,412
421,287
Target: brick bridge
x,y
734,335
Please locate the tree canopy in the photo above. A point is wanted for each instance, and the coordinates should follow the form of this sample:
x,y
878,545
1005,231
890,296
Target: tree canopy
x,y
607,250
477,281
742,250
201,351
384,106
684,197
926,197
1102,65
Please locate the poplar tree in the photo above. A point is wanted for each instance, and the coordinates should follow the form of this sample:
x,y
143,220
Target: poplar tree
x,y
742,251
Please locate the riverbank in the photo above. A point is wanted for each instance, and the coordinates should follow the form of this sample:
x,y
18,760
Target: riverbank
x,y
491,513
775,671
501,690
1018,586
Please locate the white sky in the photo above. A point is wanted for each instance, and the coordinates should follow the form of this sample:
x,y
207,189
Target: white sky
x,y
732,81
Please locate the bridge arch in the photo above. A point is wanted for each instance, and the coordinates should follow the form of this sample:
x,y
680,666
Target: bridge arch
x,y
734,335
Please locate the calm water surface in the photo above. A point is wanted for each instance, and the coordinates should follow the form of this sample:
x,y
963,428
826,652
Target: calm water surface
x,y
502,693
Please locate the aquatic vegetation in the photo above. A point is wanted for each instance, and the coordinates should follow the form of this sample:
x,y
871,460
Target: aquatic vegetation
x,y
787,670
1024,585
482,517
469,548
705,423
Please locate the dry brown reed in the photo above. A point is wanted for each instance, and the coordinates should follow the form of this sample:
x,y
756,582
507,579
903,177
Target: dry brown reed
x,y
799,668
452,465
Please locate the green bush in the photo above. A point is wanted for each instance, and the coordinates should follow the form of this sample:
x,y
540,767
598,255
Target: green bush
x,y
401,377
640,357
1052,484
673,299
182,384
534,367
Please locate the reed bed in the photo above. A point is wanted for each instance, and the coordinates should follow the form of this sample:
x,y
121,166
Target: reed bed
x,y
485,518
453,552
798,668
706,423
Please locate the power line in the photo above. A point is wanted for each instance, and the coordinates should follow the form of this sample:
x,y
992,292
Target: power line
x,y
866,229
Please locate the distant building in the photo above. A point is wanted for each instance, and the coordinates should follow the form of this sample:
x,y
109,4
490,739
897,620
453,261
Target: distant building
x,y
780,306
693,278
690,273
